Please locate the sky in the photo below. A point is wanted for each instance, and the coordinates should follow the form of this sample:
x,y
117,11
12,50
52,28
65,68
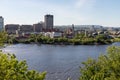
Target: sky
x,y
66,12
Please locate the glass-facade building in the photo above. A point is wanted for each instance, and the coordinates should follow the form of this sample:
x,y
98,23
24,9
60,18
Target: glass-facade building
x,y
1,23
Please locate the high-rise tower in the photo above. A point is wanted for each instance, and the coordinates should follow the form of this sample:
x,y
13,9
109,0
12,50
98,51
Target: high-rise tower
x,y
48,22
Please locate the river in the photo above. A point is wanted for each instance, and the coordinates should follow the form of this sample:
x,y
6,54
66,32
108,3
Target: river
x,y
59,61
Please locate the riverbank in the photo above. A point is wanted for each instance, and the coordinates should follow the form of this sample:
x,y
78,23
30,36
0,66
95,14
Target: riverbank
x,y
62,41
77,40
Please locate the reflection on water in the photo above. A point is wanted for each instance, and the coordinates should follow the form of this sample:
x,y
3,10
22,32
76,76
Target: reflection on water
x,y
60,62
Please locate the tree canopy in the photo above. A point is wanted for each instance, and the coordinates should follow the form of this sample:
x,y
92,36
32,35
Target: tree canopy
x,y
3,37
106,67
12,69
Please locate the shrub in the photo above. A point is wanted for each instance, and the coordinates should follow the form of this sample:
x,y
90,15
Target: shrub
x,y
12,69
106,67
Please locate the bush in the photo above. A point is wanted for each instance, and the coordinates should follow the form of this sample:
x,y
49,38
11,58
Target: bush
x,y
12,69
107,67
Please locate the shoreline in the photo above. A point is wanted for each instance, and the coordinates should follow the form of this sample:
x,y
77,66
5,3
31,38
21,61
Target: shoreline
x,y
60,43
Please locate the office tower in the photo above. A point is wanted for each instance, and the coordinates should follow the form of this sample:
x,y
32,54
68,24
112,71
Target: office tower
x,y
48,24
1,23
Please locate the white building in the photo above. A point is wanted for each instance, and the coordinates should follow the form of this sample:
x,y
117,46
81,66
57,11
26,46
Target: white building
x,y
47,34
1,23
53,34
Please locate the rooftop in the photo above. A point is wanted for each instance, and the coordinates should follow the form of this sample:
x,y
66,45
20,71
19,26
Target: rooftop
x,y
1,17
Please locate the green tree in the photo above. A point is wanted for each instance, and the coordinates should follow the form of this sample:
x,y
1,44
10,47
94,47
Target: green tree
x,y
80,36
3,37
101,37
11,39
33,38
106,67
12,69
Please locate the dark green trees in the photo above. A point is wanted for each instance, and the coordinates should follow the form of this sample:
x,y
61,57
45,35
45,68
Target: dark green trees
x,y
12,69
107,67
3,37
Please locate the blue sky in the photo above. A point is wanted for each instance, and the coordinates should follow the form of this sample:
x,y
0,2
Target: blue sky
x,y
66,12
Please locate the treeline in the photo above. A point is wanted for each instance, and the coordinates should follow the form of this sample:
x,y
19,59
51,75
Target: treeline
x,y
77,40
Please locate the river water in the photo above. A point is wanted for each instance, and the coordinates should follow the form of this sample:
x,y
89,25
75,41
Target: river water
x,y
59,61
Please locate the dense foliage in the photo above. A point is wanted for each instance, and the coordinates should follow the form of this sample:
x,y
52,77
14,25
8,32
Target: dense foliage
x,y
107,67
3,37
79,39
116,39
12,69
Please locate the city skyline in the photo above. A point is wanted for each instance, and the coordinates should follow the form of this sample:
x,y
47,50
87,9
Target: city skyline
x,y
78,12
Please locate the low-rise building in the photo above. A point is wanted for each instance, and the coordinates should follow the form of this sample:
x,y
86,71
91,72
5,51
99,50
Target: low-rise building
x,y
26,28
47,34
53,34
11,28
